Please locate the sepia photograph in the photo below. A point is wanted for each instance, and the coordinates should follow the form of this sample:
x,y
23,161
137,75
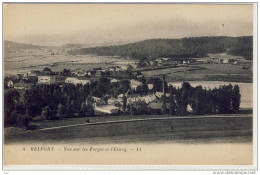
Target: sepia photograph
x,y
89,84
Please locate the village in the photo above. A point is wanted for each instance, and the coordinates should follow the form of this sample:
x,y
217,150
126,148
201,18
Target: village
x,y
140,95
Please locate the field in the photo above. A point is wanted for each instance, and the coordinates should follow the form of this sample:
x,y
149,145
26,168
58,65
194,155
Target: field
x,y
206,72
215,128
15,63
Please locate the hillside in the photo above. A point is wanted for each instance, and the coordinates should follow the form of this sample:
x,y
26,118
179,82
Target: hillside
x,y
14,45
176,48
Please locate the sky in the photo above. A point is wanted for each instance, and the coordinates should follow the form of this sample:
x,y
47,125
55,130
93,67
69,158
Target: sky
x,y
112,24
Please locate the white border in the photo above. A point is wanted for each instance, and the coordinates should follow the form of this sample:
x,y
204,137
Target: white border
x,y
163,167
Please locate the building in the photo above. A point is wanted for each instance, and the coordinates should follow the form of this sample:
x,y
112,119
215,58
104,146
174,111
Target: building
x,y
156,105
79,73
114,81
150,86
138,74
83,82
91,73
23,86
165,59
202,60
106,109
111,69
135,98
134,84
10,84
75,81
123,68
32,73
51,79
71,80
225,60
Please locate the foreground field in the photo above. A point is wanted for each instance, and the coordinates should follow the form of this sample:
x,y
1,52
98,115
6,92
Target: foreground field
x,y
152,129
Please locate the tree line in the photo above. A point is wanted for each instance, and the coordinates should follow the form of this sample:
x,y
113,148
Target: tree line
x,y
68,101
176,48
223,100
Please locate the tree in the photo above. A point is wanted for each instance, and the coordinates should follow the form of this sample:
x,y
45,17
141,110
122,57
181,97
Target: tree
x,y
172,106
70,108
47,113
182,98
83,110
124,86
46,69
139,107
90,110
142,89
66,72
157,84
236,99
224,99
61,112
11,99
124,102
164,108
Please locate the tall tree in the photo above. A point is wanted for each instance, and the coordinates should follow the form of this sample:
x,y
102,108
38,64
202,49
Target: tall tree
x,y
61,112
236,99
124,102
11,98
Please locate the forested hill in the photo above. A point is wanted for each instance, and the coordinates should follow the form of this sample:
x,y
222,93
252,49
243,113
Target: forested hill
x,y
176,48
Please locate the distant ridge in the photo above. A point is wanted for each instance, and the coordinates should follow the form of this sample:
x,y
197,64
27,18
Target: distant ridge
x,y
176,48
16,45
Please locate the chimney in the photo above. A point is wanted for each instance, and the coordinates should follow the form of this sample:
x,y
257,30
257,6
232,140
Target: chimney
x,y
163,77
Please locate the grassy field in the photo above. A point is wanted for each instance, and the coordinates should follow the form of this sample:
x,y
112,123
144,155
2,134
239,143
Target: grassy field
x,y
23,62
208,72
229,128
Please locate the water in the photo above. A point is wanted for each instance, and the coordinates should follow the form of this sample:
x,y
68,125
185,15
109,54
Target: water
x,y
246,89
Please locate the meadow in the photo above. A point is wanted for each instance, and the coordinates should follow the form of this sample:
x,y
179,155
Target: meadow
x,y
218,128
20,63
206,72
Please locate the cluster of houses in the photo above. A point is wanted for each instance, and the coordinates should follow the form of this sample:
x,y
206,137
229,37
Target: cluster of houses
x,y
112,106
220,59
211,59
75,77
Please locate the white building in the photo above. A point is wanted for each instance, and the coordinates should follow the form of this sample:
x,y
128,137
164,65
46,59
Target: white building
x,y
71,80
150,86
75,81
83,82
134,84
114,81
